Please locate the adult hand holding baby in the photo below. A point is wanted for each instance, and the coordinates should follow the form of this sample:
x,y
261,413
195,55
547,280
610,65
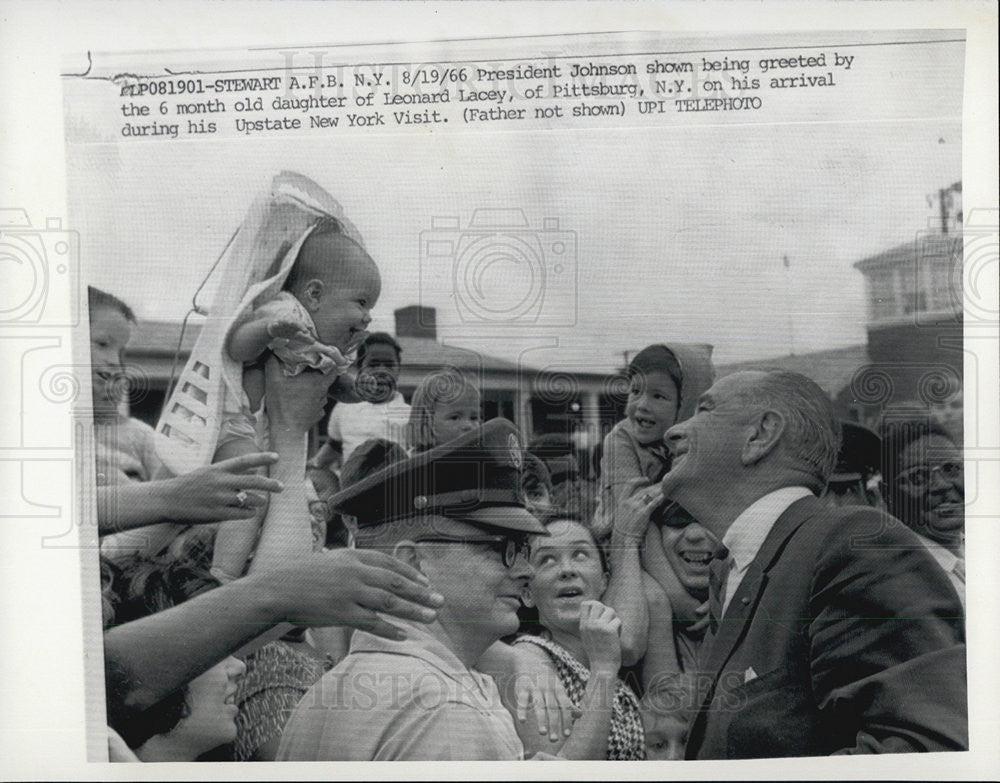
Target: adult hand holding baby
x,y
294,403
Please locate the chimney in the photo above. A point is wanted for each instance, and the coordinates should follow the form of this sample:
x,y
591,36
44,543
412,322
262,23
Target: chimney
x,y
416,321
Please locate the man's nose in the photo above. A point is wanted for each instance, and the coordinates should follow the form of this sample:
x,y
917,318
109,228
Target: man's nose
x,y
939,483
674,436
367,318
520,569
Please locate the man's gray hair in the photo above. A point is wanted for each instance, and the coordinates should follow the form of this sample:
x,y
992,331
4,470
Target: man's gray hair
x,y
812,431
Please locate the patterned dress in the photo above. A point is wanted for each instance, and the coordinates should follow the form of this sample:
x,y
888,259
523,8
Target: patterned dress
x,y
627,741
277,677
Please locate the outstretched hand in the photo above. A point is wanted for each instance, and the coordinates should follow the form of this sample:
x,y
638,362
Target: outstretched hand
x,y
226,490
288,329
355,587
543,692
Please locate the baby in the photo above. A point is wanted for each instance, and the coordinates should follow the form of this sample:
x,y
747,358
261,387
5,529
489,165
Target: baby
x,y
318,318
445,406
295,282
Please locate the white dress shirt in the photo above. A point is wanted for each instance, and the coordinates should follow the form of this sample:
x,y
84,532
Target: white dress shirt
x,y
746,535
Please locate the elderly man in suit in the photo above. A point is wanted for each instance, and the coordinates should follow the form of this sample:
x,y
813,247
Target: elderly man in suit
x,y
827,637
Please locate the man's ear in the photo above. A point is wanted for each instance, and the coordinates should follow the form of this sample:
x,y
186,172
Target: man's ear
x,y
406,551
764,435
312,294
526,598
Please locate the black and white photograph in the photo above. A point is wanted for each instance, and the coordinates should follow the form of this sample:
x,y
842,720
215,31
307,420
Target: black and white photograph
x,y
614,392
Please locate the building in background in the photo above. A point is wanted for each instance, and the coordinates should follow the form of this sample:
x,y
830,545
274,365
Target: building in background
x,y
537,400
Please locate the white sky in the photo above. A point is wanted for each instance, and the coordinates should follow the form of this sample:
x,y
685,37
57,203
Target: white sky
x,y
680,231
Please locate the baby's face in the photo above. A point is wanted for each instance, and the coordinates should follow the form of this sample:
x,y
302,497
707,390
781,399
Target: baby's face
x,y
652,405
350,293
456,417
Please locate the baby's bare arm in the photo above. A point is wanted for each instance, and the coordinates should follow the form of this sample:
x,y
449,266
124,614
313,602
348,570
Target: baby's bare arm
x,y
249,340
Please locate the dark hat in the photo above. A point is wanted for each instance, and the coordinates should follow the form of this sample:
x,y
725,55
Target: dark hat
x,y
475,477
859,455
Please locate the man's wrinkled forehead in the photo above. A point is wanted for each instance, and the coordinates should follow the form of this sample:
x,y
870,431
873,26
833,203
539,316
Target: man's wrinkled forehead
x,y
732,387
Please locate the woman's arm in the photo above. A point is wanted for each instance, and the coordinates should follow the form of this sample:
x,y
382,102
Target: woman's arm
x,y
150,658
522,682
204,495
624,593
661,652
600,632
294,404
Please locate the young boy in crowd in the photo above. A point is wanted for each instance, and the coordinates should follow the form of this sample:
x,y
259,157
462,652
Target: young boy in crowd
x,y
664,385
382,413
664,709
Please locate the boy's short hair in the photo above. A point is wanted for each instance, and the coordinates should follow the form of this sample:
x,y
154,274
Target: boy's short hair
x,y
97,298
370,457
379,338
670,694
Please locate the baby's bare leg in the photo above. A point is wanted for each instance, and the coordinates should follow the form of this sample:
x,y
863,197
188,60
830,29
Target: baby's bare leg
x,y
236,539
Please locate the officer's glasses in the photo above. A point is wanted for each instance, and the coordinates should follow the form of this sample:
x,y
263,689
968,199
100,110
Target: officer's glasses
x,y
507,546
921,476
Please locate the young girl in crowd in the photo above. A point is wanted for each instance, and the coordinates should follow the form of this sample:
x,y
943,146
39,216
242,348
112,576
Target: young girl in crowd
x,y
579,644
665,383
445,405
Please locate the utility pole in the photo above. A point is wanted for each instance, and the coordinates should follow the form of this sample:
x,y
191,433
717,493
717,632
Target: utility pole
x,y
789,299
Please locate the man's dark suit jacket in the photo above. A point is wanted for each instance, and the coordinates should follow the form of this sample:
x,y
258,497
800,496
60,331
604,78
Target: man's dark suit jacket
x,y
845,636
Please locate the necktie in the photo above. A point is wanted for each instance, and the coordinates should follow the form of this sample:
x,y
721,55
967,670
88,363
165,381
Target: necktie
x,y
718,576
959,570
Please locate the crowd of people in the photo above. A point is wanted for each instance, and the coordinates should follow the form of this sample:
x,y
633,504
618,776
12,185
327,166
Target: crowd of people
x,y
742,575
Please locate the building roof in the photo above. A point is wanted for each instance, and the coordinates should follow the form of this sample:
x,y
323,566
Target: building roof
x,y
832,370
424,352
926,246
159,338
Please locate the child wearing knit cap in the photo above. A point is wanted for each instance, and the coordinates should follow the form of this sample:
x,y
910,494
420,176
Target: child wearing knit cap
x,y
664,385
